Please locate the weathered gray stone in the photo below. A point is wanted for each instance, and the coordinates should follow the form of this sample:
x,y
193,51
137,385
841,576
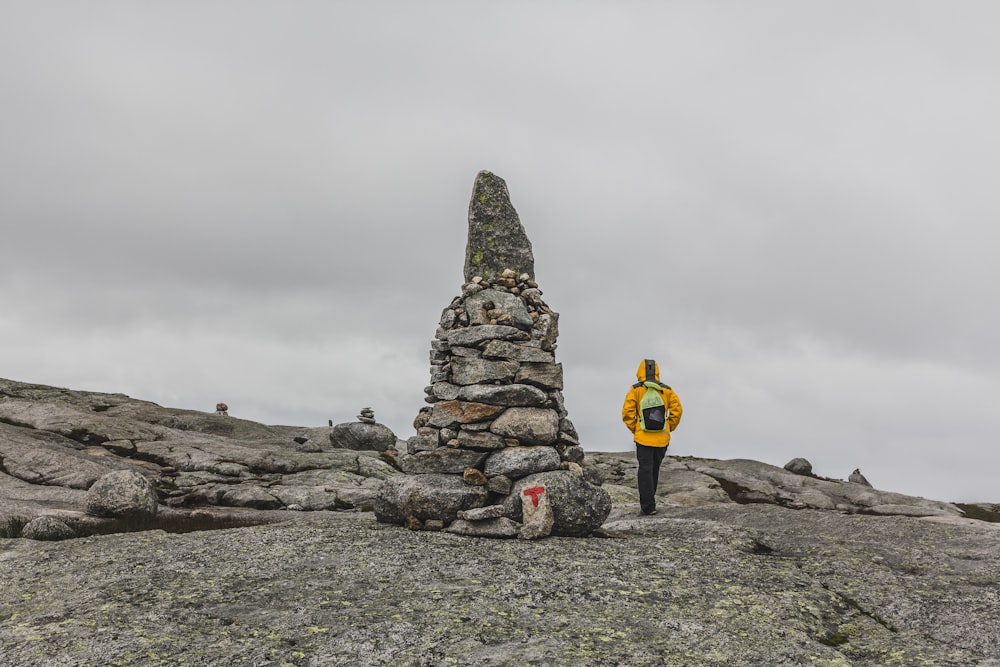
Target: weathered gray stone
x,y
483,513
530,426
799,466
496,238
500,484
421,443
443,460
578,507
507,395
502,349
362,436
515,462
559,404
447,320
544,375
38,457
465,371
573,453
448,413
567,440
502,527
122,493
473,336
426,497
480,440
546,330
245,495
746,481
480,307
49,528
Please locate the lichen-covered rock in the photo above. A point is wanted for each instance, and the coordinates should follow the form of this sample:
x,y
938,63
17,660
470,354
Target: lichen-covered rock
x,y
472,336
578,507
516,462
449,413
501,527
443,460
530,426
122,493
47,528
362,436
430,496
500,349
246,495
545,375
469,370
480,440
496,238
507,395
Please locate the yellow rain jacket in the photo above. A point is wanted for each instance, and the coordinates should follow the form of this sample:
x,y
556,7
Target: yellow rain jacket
x,y
630,410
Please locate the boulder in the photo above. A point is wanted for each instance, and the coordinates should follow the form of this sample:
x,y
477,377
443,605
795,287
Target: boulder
x,y
799,466
578,507
516,462
443,460
507,395
363,437
448,413
47,528
480,440
122,493
530,426
433,496
548,376
468,370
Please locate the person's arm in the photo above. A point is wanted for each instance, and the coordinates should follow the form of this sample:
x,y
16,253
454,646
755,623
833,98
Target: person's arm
x,y
630,413
676,409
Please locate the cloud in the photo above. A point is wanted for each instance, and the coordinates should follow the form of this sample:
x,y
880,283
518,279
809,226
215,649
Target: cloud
x,y
267,207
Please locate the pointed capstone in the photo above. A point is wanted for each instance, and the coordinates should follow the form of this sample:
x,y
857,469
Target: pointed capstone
x,y
496,238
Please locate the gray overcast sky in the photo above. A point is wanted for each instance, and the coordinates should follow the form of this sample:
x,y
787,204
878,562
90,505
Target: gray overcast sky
x,y
265,203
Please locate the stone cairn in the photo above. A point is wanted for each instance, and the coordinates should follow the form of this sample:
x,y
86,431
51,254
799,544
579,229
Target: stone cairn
x,y
364,434
495,453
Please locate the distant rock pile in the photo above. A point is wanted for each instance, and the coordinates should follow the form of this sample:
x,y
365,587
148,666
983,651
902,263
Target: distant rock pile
x,y
496,434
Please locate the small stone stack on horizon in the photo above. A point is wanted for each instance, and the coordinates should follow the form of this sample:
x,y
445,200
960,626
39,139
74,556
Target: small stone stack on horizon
x,y
496,430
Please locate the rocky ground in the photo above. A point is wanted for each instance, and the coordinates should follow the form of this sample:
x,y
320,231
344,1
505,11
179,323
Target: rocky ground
x,y
746,563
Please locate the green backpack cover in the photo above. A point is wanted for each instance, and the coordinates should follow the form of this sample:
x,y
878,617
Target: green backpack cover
x,y
653,411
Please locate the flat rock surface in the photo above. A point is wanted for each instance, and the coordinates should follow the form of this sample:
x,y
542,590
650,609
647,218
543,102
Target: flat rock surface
x,y
724,584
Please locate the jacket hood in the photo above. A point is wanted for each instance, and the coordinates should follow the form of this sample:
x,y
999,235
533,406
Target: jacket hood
x,y
640,372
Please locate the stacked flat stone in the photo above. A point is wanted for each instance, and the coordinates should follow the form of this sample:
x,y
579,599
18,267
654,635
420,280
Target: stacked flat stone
x,y
496,420
367,416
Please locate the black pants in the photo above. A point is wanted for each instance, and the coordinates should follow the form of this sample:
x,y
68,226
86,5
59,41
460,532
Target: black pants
x,y
649,459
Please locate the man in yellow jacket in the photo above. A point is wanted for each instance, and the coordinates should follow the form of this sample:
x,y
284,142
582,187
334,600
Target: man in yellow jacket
x,y
651,411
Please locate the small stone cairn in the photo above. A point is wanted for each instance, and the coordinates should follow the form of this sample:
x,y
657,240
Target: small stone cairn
x,y
364,434
495,453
